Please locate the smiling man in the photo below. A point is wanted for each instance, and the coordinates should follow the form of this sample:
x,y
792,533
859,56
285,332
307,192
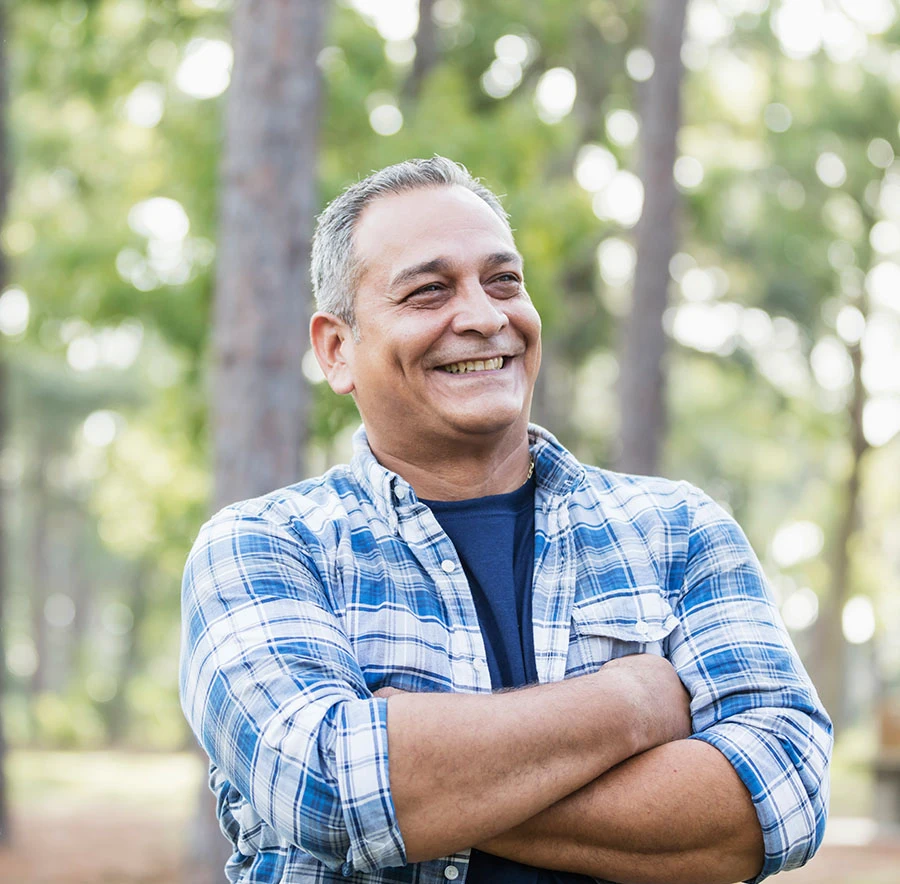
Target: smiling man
x,y
350,642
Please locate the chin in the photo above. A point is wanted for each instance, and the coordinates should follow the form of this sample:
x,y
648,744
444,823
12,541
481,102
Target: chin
x,y
487,423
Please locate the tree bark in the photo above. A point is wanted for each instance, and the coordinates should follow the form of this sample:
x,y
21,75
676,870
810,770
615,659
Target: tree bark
x,y
39,570
830,645
117,708
268,203
260,399
426,49
5,835
643,346
81,587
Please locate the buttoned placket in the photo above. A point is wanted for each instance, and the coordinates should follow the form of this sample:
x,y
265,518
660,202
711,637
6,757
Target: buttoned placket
x,y
448,868
469,669
552,604
468,659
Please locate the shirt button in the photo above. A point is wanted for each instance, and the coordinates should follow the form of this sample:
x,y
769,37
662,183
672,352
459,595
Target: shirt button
x,y
451,873
449,567
642,627
401,492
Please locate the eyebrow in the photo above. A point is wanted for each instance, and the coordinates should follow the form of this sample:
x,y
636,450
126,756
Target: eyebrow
x,y
442,265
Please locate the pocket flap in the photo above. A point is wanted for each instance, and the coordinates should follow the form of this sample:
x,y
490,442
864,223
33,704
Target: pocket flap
x,y
635,614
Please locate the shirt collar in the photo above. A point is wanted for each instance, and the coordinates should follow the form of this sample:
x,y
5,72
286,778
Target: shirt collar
x,y
556,471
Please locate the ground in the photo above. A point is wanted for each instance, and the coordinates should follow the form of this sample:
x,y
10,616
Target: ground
x,y
121,818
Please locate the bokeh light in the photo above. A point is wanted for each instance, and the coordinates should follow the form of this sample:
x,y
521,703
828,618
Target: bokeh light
x,y
622,200
555,94
640,64
205,71
858,620
622,127
595,167
15,311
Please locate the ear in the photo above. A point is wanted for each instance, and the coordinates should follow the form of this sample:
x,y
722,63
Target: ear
x,y
332,342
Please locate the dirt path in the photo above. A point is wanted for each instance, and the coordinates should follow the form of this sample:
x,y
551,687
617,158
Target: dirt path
x,y
97,846
873,864
102,845
120,818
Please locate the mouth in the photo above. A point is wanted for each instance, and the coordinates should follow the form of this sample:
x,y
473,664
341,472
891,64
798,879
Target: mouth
x,y
471,366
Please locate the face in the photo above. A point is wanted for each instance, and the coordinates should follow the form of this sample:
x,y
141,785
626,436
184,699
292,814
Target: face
x,y
448,342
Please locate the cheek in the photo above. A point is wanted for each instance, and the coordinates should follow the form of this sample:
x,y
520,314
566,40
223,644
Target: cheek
x,y
528,321
414,341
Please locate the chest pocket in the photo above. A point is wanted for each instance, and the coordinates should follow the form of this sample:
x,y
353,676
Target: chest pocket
x,y
633,621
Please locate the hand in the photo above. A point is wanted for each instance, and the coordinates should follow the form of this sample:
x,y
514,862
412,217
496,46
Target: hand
x,y
662,705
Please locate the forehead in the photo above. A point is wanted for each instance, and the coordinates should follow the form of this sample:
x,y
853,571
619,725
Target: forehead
x,y
402,229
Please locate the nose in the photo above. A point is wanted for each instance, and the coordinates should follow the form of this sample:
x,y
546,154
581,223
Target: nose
x,y
477,311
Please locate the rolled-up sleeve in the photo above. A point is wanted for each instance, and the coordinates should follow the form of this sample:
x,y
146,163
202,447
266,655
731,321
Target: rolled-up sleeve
x,y
271,688
751,697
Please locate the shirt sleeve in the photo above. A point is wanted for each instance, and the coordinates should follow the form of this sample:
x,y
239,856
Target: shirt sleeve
x,y
271,688
751,697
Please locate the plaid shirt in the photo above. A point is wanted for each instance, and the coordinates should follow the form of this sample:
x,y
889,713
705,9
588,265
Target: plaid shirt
x,y
300,604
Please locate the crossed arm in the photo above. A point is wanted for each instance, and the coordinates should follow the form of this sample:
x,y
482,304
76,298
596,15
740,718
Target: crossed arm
x,y
592,775
677,814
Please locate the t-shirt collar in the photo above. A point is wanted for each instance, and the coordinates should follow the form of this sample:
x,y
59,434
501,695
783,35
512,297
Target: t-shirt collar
x,y
556,471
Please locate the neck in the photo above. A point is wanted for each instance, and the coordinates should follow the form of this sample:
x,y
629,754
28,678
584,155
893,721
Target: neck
x,y
450,473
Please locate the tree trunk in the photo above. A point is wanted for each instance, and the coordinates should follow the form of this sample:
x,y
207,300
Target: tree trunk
x,y
4,411
830,645
268,203
39,571
117,708
81,588
426,49
643,347
4,565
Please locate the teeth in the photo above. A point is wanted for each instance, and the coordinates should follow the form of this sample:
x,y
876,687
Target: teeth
x,y
476,365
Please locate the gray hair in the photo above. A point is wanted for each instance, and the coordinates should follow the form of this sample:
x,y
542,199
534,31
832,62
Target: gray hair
x,y
335,270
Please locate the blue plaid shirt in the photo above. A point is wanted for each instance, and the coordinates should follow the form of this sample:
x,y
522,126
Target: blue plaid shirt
x,y
300,604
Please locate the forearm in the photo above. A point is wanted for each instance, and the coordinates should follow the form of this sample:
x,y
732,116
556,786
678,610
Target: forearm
x,y
677,814
464,766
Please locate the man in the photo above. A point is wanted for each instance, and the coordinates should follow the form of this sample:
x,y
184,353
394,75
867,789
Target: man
x,y
347,640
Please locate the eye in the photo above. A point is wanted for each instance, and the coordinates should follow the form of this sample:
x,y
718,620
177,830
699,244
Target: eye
x,y
507,283
426,293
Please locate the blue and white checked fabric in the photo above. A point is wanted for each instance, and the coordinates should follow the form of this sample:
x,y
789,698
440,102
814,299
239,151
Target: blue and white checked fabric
x,y
299,605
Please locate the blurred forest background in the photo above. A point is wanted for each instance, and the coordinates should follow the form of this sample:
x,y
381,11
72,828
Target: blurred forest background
x,y
707,196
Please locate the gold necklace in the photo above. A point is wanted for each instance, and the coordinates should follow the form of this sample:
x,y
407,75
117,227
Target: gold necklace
x,y
530,470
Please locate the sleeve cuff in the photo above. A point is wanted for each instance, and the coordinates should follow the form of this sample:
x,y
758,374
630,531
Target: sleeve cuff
x,y
792,827
361,756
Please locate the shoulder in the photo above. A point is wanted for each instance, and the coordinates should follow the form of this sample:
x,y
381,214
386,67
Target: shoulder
x,y
607,494
624,497
310,511
674,521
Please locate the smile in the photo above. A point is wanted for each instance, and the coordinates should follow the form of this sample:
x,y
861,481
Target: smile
x,y
474,365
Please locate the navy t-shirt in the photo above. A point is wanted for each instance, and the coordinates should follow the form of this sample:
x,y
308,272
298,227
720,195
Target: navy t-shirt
x,y
494,538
